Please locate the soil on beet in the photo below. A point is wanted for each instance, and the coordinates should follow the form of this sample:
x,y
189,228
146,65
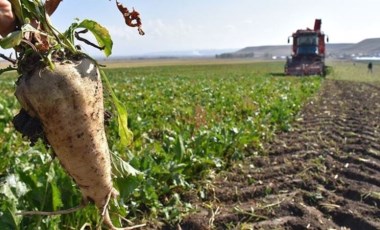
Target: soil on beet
x,y
324,174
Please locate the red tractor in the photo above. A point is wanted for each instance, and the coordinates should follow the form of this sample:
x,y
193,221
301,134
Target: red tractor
x,y
308,56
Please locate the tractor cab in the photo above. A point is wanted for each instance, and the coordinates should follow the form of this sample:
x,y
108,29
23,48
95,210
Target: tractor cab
x,y
307,44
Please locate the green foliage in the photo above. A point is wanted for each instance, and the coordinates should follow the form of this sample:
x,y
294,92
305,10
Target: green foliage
x,y
125,134
100,33
58,44
355,71
189,122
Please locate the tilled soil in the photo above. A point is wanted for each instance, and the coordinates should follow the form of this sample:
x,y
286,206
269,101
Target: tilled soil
x,y
324,174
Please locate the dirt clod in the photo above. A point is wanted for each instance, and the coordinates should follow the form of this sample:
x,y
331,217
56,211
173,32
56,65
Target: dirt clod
x,y
29,127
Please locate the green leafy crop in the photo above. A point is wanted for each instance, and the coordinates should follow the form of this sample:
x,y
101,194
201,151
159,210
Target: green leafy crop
x,y
189,123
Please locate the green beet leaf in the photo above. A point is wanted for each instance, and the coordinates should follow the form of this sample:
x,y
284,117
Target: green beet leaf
x,y
126,135
13,39
101,34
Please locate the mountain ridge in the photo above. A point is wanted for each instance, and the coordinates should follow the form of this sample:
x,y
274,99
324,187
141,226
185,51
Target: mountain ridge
x,y
366,47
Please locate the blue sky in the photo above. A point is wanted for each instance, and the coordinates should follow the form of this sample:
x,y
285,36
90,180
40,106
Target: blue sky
x,y
172,25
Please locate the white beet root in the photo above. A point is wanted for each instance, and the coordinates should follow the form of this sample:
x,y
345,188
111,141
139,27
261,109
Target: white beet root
x,y
69,103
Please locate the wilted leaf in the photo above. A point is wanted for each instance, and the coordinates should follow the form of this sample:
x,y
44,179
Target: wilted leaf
x,y
132,19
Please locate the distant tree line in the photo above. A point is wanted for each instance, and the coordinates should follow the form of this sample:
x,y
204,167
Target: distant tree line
x,y
235,55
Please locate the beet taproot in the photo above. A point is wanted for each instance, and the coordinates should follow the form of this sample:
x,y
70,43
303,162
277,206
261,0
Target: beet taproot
x,y
68,101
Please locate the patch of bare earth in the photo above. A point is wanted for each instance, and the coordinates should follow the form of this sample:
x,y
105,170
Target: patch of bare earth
x,y
324,174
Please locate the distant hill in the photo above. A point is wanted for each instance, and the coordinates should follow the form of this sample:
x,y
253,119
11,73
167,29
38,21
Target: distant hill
x,y
187,53
367,47
258,52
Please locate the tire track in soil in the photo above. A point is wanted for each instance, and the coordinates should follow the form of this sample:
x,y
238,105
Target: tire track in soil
x,y
323,174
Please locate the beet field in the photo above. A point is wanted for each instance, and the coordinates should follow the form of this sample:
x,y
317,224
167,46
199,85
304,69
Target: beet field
x,y
191,123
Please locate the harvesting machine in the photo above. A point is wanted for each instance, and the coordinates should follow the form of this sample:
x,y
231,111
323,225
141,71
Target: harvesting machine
x,y
308,52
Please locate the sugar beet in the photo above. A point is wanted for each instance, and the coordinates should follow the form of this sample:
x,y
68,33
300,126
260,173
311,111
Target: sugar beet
x,y
68,101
